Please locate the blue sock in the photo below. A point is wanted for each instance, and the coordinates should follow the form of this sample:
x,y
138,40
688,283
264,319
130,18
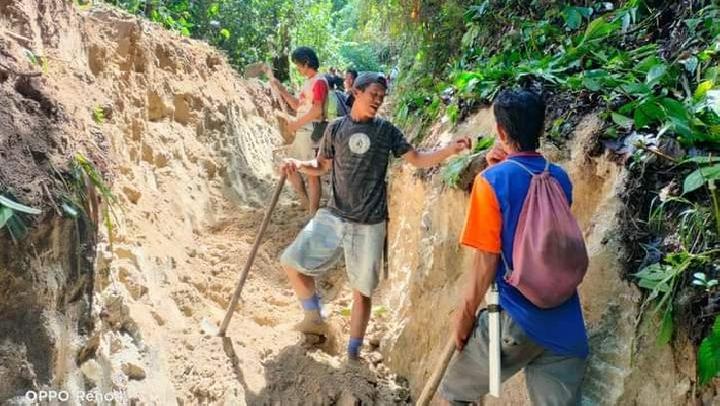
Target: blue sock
x,y
312,303
354,347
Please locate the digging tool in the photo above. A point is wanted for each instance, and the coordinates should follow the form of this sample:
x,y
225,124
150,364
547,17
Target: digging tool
x,y
254,70
492,299
432,385
251,257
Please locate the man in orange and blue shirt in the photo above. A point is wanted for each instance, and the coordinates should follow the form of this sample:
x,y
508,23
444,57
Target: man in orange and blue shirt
x,y
549,344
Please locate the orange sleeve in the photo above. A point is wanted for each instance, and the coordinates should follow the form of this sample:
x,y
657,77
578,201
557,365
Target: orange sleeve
x,y
484,219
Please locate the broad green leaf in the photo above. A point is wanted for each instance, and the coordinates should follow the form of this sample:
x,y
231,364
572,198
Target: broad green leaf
x,y
675,109
702,89
572,17
483,143
693,182
4,201
648,63
5,214
591,84
599,28
225,33
655,74
666,327
703,159
622,121
641,119
709,354
648,112
697,178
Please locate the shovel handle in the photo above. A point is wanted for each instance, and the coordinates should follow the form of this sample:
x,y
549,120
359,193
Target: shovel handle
x,y
431,386
251,257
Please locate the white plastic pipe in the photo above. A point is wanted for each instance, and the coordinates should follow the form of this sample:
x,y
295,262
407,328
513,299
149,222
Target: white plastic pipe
x,y
492,299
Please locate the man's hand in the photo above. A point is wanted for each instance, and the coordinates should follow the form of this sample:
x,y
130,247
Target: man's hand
x,y
496,155
458,145
462,323
293,127
289,166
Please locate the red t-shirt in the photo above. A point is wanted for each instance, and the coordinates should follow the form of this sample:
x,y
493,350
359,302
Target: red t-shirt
x,y
319,91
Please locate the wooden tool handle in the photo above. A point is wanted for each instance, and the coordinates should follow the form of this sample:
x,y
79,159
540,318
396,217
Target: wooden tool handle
x,y
432,384
251,257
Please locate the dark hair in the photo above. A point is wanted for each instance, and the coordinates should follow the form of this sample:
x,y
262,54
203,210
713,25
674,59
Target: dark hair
x,y
522,114
352,73
335,82
367,79
305,56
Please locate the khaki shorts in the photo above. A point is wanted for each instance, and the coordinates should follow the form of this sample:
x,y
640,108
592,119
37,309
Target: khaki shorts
x,y
551,379
302,147
319,246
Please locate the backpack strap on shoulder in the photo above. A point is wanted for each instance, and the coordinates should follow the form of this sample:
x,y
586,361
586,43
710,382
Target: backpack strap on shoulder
x,y
520,165
547,166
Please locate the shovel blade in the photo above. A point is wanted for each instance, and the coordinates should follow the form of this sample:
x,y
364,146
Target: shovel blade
x,y
254,70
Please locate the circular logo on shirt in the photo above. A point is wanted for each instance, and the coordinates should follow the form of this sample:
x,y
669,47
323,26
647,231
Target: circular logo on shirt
x,y
359,143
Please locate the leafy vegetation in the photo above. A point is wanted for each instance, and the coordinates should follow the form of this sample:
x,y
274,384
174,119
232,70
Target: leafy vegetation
x,y
10,218
651,68
86,181
641,89
709,354
336,29
454,169
98,115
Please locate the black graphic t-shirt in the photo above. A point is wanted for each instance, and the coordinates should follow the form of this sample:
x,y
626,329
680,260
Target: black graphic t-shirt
x,y
360,152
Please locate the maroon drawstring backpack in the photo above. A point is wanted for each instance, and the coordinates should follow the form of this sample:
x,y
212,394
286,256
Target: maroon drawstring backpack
x,y
549,251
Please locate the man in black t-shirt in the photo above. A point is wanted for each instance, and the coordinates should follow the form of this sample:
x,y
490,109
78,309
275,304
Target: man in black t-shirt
x,y
350,76
357,149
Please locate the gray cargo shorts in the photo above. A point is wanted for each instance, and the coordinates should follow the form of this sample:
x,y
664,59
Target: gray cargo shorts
x,y
551,379
321,242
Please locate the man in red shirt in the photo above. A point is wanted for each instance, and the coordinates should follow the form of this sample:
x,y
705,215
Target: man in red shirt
x,y
310,106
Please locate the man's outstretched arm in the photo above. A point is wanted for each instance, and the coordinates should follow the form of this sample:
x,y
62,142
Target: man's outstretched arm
x,y
293,101
428,159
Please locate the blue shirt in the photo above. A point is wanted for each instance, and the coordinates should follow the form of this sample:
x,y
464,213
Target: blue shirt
x,y
496,202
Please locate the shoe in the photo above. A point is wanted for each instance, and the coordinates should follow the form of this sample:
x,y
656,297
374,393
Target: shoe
x,y
312,323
